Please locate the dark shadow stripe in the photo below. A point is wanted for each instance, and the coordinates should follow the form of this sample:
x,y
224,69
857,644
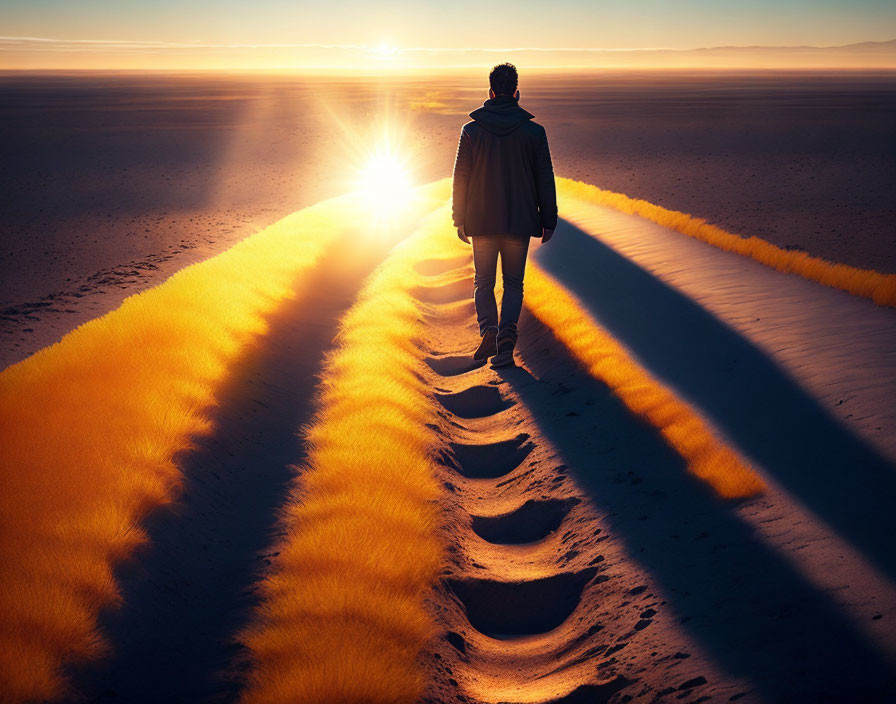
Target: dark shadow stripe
x,y
819,460
752,612
189,593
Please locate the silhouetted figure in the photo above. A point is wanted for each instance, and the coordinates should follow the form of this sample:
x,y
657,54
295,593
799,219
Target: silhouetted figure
x,y
504,193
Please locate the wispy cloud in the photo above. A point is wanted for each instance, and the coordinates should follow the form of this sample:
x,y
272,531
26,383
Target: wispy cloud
x,y
49,44
128,45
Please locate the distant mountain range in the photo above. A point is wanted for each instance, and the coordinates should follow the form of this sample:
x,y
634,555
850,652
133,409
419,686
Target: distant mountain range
x,y
48,53
861,46
860,55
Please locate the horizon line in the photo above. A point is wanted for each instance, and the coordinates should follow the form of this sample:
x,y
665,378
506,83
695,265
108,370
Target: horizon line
x,y
29,43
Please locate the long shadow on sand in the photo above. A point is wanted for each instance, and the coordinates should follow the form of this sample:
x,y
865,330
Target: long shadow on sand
x,y
833,471
191,591
751,612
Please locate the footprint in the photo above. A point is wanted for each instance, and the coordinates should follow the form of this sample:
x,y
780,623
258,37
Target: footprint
x,y
507,609
452,365
476,402
532,521
492,460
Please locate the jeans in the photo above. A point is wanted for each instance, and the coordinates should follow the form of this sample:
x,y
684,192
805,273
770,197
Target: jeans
x,y
513,251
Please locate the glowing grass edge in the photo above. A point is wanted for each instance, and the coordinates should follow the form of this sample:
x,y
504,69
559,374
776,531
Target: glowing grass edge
x,y
605,359
707,456
90,426
866,283
342,615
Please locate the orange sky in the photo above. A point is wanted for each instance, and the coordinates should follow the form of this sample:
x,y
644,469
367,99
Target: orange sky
x,y
404,35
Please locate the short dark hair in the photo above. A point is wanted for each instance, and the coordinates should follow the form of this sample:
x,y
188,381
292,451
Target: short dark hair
x,y
504,79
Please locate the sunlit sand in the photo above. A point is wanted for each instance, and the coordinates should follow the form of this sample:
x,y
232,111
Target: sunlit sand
x,y
683,429
880,288
456,533
264,438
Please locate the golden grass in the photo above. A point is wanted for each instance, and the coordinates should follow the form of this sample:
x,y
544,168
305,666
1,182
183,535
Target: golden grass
x,y
608,361
89,430
683,429
867,283
342,616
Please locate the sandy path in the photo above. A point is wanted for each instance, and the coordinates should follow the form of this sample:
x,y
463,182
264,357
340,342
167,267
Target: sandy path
x,y
534,607
585,562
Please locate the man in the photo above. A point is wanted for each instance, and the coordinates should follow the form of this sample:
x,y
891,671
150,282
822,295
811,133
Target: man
x,y
504,193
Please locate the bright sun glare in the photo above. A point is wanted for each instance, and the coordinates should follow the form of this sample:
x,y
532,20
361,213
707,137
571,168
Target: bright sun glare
x,y
384,49
384,181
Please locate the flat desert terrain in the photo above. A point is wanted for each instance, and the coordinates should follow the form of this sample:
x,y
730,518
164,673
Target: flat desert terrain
x,y
112,182
247,455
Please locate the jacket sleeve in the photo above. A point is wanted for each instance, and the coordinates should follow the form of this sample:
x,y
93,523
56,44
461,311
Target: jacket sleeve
x,y
544,181
462,165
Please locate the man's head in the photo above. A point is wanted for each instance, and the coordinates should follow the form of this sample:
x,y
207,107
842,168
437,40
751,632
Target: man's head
x,y
503,80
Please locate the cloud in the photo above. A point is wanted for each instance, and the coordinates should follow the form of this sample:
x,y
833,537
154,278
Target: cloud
x,y
51,44
129,45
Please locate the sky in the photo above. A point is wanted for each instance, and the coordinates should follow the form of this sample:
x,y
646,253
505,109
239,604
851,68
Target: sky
x,y
403,33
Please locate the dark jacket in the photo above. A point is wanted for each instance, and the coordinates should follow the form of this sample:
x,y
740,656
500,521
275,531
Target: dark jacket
x,y
503,177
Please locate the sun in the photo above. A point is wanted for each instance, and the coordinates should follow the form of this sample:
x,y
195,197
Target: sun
x,y
384,181
385,50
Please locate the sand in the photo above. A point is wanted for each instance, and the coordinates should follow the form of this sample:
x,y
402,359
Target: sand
x,y
584,562
112,182
585,565
721,315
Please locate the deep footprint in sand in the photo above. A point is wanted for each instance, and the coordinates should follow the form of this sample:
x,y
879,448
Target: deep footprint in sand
x,y
475,402
453,365
532,521
491,460
507,609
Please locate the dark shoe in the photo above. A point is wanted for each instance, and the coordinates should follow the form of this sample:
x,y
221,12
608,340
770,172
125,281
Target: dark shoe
x,y
488,347
504,357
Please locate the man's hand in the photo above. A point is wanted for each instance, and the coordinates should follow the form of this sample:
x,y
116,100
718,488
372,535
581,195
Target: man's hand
x,y
546,234
463,235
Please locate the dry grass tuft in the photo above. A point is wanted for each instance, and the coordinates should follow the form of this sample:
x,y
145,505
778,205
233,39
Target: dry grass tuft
x,y
342,617
608,361
880,288
90,427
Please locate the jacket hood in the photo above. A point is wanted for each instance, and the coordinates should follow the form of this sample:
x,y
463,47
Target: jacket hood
x,y
501,115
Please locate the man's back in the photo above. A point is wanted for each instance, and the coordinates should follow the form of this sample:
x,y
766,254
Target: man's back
x,y
504,194
503,177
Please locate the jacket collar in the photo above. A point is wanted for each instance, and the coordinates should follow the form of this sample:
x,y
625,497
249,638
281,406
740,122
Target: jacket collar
x,y
501,115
